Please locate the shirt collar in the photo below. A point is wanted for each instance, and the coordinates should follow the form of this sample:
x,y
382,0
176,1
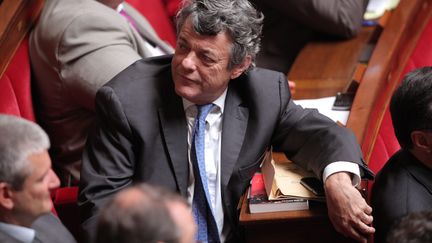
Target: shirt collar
x,y
120,7
220,102
20,233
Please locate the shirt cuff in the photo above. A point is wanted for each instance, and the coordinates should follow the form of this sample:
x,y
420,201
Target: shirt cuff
x,y
342,166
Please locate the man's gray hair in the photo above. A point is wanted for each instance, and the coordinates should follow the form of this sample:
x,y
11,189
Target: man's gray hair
x,y
19,138
238,17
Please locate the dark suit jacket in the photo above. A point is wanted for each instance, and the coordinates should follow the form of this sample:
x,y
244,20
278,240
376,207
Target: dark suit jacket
x,y
404,185
48,229
142,135
291,24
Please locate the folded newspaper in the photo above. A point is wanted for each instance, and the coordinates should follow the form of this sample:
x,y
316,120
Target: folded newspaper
x,y
282,181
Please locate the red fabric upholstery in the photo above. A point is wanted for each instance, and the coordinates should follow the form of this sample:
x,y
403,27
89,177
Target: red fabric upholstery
x,y
65,202
15,91
386,144
172,6
156,13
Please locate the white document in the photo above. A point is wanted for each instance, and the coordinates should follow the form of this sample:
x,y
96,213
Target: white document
x,y
376,8
324,106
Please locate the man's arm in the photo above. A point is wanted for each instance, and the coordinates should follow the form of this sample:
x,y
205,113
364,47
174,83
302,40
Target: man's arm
x,y
107,160
314,141
336,17
94,48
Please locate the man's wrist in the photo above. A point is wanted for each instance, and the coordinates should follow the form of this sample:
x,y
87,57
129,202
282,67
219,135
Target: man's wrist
x,y
352,170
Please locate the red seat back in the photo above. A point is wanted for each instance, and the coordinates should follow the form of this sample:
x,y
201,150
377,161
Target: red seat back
x,y
156,13
15,91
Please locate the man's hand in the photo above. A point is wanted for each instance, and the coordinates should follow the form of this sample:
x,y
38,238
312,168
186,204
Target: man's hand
x,y
292,86
347,209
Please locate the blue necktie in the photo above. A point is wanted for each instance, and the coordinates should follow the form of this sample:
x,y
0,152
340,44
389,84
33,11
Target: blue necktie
x,y
207,228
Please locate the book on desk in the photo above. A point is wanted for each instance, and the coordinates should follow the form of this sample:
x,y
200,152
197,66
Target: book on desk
x,y
278,187
259,203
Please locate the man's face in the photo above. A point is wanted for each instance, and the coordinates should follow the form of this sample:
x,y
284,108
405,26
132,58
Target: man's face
x,y
34,198
200,65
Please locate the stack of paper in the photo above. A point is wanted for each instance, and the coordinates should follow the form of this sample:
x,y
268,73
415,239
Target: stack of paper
x,y
282,181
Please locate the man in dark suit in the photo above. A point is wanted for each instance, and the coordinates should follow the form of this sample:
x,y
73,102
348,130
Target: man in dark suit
x,y
26,179
404,184
147,130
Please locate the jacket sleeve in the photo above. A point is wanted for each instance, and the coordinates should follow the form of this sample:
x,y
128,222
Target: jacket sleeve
x,y
342,18
313,140
108,159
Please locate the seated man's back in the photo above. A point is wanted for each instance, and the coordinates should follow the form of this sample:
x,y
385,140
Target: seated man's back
x,y
76,47
289,25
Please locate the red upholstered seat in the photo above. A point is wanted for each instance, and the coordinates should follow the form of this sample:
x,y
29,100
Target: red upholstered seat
x,y
156,13
172,6
15,91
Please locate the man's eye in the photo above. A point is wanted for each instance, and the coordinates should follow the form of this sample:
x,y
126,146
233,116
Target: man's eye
x,y
181,47
207,59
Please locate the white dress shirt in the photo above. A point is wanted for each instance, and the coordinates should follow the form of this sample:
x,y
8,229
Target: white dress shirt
x,y
212,151
24,234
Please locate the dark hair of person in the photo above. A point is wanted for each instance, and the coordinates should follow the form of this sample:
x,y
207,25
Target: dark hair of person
x,y
413,228
411,105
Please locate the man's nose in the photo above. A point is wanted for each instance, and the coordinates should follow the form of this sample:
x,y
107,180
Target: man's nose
x,y
189,61
54,181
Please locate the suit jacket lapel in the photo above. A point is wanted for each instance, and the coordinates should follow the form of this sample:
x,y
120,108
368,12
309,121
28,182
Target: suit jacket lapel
x,y
174,128
234,126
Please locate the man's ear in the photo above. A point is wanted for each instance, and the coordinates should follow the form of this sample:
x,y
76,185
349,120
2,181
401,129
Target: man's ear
x,y
239,69
6,196
422,141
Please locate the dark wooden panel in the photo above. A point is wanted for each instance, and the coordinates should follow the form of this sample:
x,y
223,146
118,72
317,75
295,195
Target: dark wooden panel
x,y
16,19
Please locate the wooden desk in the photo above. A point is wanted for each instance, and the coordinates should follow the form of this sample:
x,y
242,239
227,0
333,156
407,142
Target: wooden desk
x,y
322,69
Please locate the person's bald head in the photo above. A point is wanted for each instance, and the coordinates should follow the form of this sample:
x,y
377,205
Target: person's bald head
x,y
144,213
